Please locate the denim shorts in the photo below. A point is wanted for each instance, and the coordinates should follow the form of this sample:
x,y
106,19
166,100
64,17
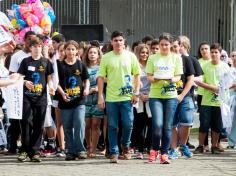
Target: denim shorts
x,y
184,112
94,111
210,117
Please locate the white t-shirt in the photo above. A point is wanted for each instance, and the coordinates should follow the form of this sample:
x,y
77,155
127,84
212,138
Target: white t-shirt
x,y
16,60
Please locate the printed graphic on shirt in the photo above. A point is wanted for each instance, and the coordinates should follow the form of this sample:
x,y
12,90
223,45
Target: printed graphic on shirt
x,y
168,87
128,88
163,72
93,77
37,88
72,89
215,98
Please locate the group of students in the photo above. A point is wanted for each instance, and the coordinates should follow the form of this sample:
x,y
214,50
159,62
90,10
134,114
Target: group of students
x,y
144,97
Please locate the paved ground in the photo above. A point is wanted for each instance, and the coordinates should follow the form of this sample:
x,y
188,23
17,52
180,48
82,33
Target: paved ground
x,y
207,164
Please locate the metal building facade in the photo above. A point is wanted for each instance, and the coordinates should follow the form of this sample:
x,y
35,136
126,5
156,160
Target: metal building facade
x,y
201,20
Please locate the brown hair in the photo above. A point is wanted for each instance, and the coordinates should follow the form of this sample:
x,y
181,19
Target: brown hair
x,y
35,41
72,42
86,59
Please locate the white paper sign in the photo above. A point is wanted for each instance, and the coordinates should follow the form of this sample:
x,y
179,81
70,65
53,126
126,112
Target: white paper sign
x,y
4,36
14,100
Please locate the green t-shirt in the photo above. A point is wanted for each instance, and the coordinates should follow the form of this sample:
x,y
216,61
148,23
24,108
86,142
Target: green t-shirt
x,y
118,69
202,62
164,67
212,75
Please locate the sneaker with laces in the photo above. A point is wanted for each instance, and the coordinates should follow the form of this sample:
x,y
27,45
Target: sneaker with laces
x,y
22,156
139,156
164,159
153,156
35,158
82,155
174,154
114,159
61,154
185,151
199,149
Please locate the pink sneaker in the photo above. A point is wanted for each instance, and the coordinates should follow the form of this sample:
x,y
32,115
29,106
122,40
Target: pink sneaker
x,y
164,159
153,156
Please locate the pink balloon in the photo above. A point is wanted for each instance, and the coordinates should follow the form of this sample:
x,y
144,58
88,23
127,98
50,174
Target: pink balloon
x,y
22,32
25,8
32,20
30,1
38,9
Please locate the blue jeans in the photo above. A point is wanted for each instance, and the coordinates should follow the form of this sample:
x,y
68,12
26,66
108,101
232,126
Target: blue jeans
x,y
123,109
73,121
163,111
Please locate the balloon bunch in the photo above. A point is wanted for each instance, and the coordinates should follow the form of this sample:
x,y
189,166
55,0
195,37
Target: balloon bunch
x,y
33,15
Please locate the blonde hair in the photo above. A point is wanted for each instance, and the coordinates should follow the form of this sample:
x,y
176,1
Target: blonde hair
x,y
185,41
139,48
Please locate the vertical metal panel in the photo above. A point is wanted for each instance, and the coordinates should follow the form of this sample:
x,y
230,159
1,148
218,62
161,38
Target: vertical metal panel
x,y
203,20
233,37
206,21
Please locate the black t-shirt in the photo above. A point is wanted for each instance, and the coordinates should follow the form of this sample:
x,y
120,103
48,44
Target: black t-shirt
x,y
196,65
71,79
198,70
188,70
37,72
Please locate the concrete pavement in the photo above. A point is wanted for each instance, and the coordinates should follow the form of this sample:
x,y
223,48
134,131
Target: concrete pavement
x,y
202,164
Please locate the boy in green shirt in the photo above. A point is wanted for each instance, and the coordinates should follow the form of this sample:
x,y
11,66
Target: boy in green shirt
x,y
117,66
210,113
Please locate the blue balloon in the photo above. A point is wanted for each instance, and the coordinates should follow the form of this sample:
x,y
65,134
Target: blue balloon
x,y
21,23
15,6
18,16
52,16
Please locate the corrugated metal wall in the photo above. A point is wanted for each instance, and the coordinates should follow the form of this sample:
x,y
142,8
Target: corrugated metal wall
x,y
203,20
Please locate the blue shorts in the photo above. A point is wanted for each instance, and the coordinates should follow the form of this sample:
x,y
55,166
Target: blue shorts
x,y
184,112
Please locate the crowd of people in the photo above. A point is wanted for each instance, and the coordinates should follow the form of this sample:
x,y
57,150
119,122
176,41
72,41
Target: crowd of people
x,y
126,101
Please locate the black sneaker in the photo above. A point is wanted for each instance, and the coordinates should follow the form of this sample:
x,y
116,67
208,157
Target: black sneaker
x,y
35,158
215,150
70,157
190,146
230,147
22,157
199,149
